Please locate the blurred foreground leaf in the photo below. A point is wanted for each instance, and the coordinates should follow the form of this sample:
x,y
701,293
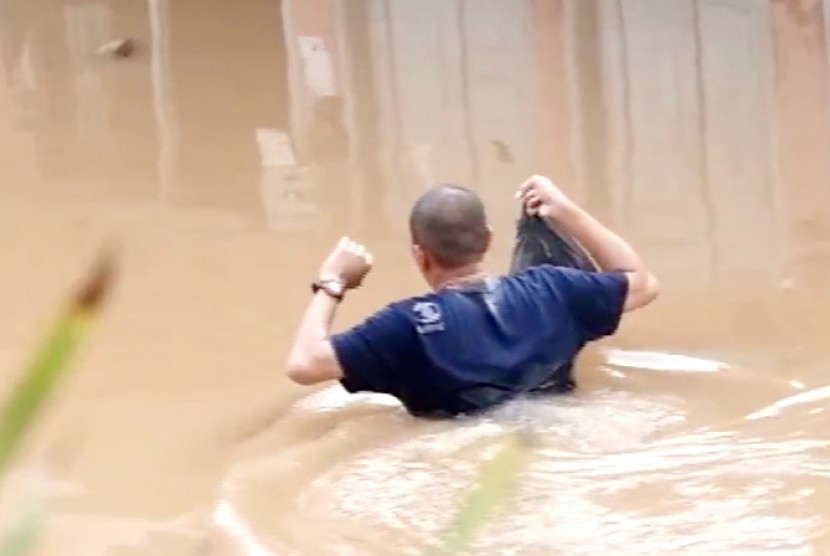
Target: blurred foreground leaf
x,y
492,490
52,358
38,380
22,537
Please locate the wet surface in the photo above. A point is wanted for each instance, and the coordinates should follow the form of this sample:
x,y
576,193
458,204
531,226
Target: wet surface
x,y
236,141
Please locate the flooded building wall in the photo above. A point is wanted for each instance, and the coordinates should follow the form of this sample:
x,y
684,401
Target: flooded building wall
x,y
449,101
72,101
697,127
427,95
803,141
632,103
322,132
690,141
241,138
668,113
458,103
740,139
314,55
641,101
555,121
241,44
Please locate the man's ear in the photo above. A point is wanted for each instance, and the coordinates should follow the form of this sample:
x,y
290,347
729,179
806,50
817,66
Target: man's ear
x,y
421,257
488,238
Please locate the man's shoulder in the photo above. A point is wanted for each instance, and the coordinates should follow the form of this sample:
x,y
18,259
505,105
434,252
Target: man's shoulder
x,y
406,305
387,325
425,313
431,311
550,276
541,270
542,275
411,312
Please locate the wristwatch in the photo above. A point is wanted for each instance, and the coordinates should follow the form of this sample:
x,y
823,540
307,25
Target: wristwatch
x,y
333,287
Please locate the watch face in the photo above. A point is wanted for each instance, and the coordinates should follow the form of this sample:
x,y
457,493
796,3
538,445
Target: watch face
x,y
335,287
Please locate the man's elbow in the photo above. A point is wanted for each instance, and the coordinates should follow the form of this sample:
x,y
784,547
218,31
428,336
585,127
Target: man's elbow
x,y
313,365
651,289
644,289
301,372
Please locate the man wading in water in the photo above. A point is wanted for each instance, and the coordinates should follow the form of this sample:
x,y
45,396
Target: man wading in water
x,y
476,340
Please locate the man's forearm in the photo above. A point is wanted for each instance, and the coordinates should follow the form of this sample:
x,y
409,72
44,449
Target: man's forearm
x,y
608,249
612,253
314,328
312,357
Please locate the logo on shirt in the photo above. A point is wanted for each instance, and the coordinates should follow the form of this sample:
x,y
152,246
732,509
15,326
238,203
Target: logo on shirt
x,y
428,316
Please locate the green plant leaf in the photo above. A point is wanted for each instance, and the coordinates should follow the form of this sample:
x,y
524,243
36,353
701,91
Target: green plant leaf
x,y
51,360
491,491
22,537
39,379
38,382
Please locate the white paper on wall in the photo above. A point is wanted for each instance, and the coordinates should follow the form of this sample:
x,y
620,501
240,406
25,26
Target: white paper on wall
x,y
317,66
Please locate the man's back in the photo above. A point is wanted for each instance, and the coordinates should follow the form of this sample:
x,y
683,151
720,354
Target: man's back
x,y
476,341
461,350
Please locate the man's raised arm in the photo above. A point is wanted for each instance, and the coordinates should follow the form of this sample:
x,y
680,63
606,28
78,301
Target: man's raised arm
x,y
611,252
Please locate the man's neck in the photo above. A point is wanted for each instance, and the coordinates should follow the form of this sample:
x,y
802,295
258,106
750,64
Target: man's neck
x,y
459,277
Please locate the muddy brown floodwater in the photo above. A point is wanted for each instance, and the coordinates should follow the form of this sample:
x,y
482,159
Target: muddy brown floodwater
x,y
238,140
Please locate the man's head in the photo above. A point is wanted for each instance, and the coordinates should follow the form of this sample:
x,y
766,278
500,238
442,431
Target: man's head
x,y
449,231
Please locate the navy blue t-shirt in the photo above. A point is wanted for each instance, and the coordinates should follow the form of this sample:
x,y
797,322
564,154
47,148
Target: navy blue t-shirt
x,y
464,350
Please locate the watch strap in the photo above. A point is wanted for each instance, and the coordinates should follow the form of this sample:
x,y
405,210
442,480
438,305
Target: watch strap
x,y
324,284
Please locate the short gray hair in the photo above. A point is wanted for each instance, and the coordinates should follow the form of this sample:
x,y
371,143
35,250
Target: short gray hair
x,y
449,222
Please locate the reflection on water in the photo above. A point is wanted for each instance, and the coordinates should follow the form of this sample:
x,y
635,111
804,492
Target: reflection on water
x,y
240,139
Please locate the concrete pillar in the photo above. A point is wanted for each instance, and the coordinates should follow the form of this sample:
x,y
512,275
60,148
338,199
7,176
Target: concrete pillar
x,y
17,156
556,155
242,45
314,56
801,84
